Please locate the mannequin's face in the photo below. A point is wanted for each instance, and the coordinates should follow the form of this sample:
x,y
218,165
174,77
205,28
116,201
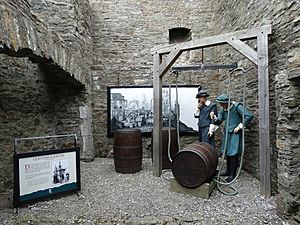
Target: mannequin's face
x,y
224,105
202,99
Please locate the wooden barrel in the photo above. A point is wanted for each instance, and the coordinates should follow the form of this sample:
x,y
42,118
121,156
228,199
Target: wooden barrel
x,y
128,150
166,163
195,164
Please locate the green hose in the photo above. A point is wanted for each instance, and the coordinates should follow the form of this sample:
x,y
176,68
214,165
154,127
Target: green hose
x,y
220,181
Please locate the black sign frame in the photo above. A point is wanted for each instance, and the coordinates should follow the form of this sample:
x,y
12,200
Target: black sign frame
x,y
17,198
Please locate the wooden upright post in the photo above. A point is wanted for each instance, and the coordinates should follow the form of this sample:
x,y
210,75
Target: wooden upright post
x,y
263,105
157,122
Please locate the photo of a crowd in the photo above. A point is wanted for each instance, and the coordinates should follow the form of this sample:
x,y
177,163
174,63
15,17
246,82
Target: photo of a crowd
x,y
132,107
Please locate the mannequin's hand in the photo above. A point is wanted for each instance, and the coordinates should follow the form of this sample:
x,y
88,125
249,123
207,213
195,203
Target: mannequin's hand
x,y
200,105
212,115
210,134
237,129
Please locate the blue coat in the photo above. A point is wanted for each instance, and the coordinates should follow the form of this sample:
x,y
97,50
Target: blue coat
x,y
234,141
204,121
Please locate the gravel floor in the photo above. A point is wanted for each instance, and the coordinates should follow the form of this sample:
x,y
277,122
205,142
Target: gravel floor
x,y
108,197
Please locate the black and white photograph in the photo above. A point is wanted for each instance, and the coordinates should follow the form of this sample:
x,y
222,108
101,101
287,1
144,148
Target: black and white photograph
x,y
60,170
132,107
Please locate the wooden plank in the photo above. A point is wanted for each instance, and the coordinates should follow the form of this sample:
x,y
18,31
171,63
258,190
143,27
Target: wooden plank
x,y
245,49
157,120
214,40
264,121
168,62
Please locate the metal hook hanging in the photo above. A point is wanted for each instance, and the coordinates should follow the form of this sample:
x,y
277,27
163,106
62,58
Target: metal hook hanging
x,y
174,73
238,69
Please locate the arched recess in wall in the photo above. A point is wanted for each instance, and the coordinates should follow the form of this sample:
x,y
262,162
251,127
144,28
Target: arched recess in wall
x,y
179,34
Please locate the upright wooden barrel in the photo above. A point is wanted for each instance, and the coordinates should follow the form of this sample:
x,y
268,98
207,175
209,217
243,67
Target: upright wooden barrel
x,y
195,164
166,163
128,150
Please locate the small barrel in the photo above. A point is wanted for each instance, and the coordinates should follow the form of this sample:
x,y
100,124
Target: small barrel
x,y
128,150
166,163
195,164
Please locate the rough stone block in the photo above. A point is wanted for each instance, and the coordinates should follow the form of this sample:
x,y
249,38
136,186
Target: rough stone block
x,y
203,191
6,200
85,112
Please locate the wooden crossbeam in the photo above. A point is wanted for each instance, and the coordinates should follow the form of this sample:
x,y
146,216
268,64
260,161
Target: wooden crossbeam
x,y
245,49
214,40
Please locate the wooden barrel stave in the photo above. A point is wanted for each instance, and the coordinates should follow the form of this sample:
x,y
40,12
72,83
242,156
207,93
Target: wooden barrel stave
x,y
195,164
128,150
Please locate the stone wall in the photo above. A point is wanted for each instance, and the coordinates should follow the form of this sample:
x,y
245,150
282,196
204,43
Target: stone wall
x,y
124,32
30,106
70,20
45,77
284,90
23,35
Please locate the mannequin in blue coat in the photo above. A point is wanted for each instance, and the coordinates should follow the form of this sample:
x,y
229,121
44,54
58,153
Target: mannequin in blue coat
x,y
235,126
205,112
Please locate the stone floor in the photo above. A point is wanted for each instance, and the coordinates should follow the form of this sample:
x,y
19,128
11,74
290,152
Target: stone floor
x,y
108,197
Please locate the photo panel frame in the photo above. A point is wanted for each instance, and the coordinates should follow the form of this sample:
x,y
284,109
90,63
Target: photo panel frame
x,y
132,107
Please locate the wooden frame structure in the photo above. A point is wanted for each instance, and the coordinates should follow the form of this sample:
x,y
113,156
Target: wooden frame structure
x,y
260,58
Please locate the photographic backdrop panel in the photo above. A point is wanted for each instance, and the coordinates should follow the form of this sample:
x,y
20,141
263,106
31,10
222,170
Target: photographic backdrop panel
x,y
132,107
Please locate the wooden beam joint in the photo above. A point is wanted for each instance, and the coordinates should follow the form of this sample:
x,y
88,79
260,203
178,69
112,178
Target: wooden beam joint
x,y
244,49
169,61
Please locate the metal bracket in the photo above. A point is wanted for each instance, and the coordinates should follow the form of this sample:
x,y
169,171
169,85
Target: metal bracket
x,y
204,67
43,137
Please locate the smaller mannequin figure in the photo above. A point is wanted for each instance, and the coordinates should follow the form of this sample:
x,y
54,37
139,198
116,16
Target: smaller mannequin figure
x,y
235,126
205,112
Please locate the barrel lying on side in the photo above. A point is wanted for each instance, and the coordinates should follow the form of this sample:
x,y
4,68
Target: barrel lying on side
x,y
195,164
128,150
